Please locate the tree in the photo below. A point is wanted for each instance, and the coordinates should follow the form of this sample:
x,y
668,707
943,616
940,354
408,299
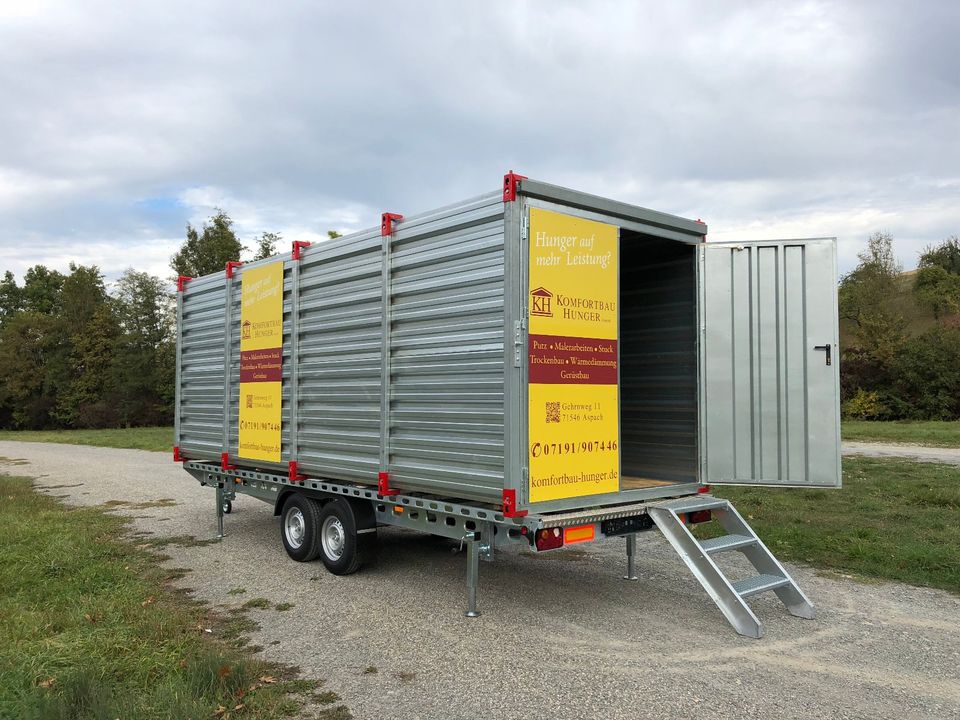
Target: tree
x,y
868,287
866,297
333,234
945,255
927,376
937,284
144,368
41,290
267,245
26,344
82,294
144,309
207,251
938,290
88,401
11,297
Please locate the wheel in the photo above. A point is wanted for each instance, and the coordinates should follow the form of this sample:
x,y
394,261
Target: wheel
x,y
299,528
342,549
227,507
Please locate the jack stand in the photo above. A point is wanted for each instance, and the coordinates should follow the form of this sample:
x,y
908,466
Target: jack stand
x,y
220,534
631,557
473,575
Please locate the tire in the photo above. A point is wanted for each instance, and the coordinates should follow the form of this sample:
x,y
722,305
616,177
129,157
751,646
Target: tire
x,y
227,507
342,550
300,528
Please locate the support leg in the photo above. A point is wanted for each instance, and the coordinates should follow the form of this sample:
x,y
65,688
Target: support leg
x,y
631,557
220,510
473,576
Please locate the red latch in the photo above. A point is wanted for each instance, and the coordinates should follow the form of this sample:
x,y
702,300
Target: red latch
x,y
510,184
295,475
383,485
225,462
182,281
299,245
177,457
231,266
703,489
387,221
510,504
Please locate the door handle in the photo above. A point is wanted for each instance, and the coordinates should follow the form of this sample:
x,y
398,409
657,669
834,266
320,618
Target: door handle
x,y
827,348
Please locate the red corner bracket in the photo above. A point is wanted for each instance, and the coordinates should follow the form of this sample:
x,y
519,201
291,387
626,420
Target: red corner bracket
x,y
177,457
231,266
299,245
295,475
225,462
383,485
387,221
510,504
511,181
182,281
703,238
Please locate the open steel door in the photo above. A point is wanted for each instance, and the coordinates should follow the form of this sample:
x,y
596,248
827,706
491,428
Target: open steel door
x,y
769,363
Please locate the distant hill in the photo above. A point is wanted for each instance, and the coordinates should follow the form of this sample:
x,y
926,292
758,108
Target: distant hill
x,y
919,319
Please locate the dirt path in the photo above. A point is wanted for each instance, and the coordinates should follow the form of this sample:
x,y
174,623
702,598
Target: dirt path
x,y
915,452
562,636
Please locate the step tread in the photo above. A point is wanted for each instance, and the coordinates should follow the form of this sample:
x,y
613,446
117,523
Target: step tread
x,y
727,542
759,584
701,502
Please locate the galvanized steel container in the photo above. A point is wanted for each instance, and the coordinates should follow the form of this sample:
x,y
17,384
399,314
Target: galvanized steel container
x,y
404,351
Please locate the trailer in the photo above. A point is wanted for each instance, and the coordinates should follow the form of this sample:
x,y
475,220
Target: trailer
x,y
536,367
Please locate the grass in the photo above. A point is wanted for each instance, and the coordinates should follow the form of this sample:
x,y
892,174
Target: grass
x,y
148,438
893,519
259,603
92,629
934,433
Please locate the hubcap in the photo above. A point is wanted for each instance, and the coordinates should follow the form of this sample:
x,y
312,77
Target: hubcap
x,y
294,527
334,538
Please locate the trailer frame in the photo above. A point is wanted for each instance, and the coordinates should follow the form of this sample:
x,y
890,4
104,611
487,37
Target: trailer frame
x,y
480,528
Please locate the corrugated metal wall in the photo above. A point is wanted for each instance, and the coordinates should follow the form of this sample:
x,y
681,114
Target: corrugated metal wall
x,y
658,359
445,277
340,328
446,408
200,412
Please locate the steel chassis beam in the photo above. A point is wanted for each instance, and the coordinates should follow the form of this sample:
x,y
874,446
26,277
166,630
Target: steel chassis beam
x,y
480,529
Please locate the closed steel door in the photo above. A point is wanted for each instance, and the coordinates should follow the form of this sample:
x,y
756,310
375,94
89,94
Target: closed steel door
x,y
769,380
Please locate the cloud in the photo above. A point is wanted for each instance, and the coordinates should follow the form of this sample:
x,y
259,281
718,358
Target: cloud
x,y
124,122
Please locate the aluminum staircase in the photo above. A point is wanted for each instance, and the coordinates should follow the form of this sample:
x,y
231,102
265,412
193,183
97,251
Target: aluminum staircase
x,y
730,596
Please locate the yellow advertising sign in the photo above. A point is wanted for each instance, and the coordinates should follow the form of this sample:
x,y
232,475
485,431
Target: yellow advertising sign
x,y
261,362
573,357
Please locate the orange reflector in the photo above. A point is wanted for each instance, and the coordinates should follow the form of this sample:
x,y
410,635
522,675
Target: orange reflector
x,y
580,533
398,508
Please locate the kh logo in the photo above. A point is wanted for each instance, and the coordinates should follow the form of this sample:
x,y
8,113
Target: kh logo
x,y
245,332
541,302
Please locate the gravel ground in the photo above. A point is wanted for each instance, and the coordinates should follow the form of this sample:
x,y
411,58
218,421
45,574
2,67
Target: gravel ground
x,y
562,635
914,452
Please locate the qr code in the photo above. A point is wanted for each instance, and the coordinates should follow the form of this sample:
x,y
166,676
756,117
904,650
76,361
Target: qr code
x,y
553,412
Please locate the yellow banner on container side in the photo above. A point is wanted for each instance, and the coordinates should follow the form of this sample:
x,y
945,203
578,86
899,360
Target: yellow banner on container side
x,y
261,362
573,375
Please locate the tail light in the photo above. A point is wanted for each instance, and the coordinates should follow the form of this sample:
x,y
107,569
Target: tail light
x,y
548,539
699,516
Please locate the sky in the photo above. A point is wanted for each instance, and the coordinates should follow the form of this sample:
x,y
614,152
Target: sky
x,y
121,122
